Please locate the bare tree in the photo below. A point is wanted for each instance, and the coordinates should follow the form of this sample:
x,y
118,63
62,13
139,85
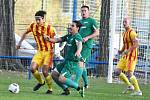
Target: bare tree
x,y
7,38
104,36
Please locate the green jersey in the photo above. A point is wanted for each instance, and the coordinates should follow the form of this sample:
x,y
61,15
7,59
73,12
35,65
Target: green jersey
x,y
71,46
89,26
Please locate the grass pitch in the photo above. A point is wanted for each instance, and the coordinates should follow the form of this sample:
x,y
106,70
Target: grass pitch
x,y
98,90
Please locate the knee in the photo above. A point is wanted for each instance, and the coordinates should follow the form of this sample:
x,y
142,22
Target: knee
x,y
33,70
116,73
129,74
54,74
34,67
45,73
61,79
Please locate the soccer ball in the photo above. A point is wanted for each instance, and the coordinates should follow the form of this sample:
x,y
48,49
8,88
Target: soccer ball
x,y
14,88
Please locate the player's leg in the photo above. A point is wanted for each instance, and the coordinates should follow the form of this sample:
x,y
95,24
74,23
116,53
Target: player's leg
x,y
48,78
47,65
85,76
86,52
55,76
36,62
79,72
118,72
66,73
133,80
37,76
68,70
71,84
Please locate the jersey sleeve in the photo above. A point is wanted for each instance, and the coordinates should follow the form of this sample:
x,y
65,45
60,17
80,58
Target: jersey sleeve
x,y
78,38
94,24
133,35
30,28
64,38
52,32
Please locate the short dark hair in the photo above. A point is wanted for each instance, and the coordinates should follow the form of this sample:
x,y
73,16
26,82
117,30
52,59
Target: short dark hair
x,y
85,6
40,13
78,24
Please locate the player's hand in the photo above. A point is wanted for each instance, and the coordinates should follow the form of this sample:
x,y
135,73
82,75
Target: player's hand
x,y
46,37
77,54
119,52
85,39
18,46
125,52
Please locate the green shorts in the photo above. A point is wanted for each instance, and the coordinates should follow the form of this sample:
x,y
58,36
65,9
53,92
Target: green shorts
x,y
68,67
86,53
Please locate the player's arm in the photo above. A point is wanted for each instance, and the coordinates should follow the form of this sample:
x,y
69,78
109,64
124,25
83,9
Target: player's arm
x,y
79,48
63,45
52,34
95,32
134,46
122,50
22,38
93,35
54,40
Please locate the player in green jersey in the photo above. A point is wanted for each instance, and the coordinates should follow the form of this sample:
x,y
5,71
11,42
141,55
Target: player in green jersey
x,y
88,31
63,72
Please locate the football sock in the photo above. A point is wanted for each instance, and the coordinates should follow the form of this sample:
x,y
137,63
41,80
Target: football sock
x,y
85,76
78,74
71,83
38,76
124,78
49,82
135,83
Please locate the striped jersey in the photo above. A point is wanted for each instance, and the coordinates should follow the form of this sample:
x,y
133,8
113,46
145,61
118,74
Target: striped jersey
x,y
38,33
128,37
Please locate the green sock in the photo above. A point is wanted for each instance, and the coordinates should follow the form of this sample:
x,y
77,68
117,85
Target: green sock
x,y
78,74
85,77
71,83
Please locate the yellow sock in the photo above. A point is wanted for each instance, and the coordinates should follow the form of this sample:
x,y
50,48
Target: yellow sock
x,y
124,78
135,83
49,82
38,76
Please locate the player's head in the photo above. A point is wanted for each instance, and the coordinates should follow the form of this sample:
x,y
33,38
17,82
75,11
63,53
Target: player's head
x,y
75,27
39,17
85,11
126,22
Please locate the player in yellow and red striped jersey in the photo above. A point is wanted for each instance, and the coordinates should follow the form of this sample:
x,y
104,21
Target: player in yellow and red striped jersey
x,y
128,60
44,55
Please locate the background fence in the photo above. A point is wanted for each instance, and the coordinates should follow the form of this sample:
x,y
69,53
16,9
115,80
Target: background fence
x,y
138,12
